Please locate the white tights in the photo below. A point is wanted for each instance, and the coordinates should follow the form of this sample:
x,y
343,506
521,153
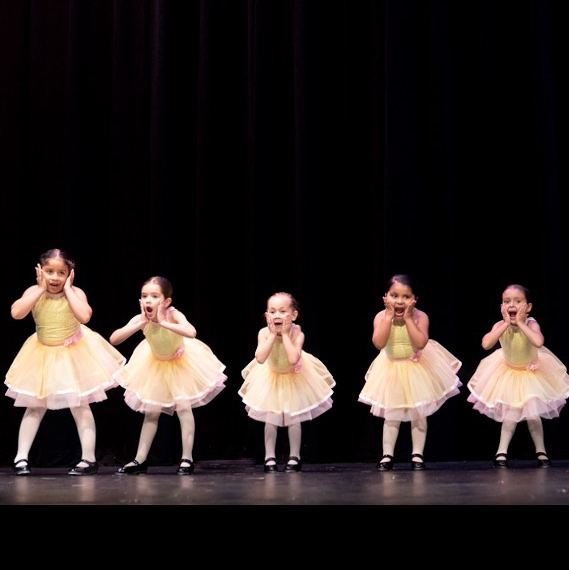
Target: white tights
x,y
86,429
294,439
150,427
391,431
535,428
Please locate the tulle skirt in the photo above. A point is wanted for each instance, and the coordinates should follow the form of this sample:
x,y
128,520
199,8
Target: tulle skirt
x,y
285,399
187,381
408,389
57,377
505,393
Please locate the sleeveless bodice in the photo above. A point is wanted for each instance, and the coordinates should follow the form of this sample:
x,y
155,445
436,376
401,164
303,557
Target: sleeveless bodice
x,y
518,350
399,344
55,321
278,361
163,342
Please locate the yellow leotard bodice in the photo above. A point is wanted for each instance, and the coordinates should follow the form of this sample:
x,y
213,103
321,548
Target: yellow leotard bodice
x,y
163,342
55,321
278,361
517,349
399,344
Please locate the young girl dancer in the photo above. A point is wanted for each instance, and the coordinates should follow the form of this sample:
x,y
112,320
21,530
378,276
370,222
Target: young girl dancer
x,y
412,376
284,385
64,364
520,381
169,371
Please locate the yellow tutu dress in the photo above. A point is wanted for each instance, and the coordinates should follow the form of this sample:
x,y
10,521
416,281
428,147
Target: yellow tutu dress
x,y
168,372
405,384
277,393
519,381
64,364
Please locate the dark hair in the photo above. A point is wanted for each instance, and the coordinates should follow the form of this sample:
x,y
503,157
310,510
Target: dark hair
x,y
54,254
293,301
521,288
404,279
164,284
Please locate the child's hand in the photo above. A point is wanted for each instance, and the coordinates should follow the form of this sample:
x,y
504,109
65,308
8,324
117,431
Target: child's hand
x,y
287,325
522,313
389,309
505,314
143,316
409,309
270,324
69,281
40,277
161,313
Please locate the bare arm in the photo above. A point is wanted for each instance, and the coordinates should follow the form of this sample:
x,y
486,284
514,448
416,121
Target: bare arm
x,y
533,332
417,326
135,324
382,328
293,340
26,302
79,304
178,323
532,329
265,341
490,339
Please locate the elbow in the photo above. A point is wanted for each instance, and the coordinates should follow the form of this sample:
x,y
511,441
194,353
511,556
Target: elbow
x,y
84,317
295,361
260,359
421,345
16,315
377,343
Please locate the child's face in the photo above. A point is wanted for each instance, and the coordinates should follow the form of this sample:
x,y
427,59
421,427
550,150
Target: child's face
x,y
513,300
56,273
278,308
400,296
151,296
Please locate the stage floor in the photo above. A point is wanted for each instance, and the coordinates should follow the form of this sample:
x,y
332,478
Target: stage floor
x,y
245,483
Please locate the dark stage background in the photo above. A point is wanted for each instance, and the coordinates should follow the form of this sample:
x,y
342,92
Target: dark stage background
x,y
244,147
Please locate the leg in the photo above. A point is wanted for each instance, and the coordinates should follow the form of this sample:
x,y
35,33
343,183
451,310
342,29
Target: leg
x,y
83,416
147,433
506,434
270,447
390,433
28,431
294,440
138,465
188,426
86,429
535,427
418,439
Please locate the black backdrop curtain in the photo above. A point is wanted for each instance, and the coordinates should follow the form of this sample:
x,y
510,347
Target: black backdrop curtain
x,y
245,147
